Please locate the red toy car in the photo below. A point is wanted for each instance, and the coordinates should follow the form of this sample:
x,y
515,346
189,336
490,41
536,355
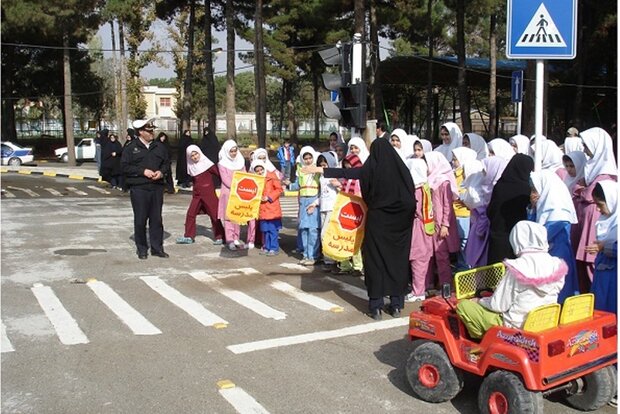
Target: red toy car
x,y
570,349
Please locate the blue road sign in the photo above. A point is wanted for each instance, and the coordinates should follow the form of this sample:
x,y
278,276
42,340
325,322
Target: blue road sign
x,y
517,86
541,29
333,95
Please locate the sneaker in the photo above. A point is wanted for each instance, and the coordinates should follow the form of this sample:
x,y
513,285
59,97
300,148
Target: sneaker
x,y
184,240
411,298
613,402
250,245
218,242
272,253
308,262
231,246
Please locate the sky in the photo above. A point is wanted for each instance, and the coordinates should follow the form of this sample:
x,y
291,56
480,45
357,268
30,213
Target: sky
x,y
154,70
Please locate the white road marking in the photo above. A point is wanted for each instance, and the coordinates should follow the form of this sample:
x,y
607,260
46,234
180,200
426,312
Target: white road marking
x,y
302,296
248,271
76,191
294,266
243,402
53,192
67,329
5,343
192,307
125,312
317,336
353,290
25,190
241,298
99,189
7,194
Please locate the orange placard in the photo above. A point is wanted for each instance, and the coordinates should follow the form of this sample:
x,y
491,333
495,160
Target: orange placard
x,y
246,191
345,230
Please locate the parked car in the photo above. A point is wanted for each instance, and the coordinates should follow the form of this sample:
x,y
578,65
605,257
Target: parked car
x,y
14,155
85,150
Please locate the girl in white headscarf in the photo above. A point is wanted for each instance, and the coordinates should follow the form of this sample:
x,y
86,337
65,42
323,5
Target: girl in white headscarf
x,y
477,143
601,166
230,160
573,144
551,158
462,156
204,200
533,279
499,147
263,155
605,283
358,147
421,250
451,137
521,144
554,209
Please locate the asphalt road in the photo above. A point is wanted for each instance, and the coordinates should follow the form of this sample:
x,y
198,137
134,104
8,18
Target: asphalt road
x,y
89,328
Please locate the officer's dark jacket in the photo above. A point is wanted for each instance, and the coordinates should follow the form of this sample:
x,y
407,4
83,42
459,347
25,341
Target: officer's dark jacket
x,y
137,158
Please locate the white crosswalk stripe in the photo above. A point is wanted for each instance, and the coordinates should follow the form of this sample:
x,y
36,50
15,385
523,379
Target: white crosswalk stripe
x,y
53,192
24,190
99,189
7,194
240,399
69,332
76,191
290,206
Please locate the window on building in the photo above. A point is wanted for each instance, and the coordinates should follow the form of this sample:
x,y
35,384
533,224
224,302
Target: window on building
x,y
165,102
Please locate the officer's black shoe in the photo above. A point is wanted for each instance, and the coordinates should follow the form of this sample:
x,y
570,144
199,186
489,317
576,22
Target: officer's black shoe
x,y
375,314
142,256
395,312
162,254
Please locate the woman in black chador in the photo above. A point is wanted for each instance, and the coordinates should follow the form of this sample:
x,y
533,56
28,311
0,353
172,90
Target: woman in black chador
x,y
387,188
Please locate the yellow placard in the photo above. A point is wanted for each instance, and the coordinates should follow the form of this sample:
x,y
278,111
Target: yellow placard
x,y
246,191
345,230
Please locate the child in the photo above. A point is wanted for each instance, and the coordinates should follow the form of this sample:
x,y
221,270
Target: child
x,y
421,250
286,157
478,144
263,155
533,279
460,157
231,160
444,192
605,282
355,265
204,199
554,209
329,191
270,215
358,147
309,215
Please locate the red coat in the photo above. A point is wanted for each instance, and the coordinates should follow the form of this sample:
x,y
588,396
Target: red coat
x,y
273,190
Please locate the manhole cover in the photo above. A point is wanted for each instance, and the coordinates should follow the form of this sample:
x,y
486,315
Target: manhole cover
x,y
79,252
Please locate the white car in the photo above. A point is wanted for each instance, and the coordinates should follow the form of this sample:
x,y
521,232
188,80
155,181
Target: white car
x,y
14,155
85,150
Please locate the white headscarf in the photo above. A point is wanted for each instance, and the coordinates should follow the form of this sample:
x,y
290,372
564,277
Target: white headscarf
x,y
268,164
579,159
307,150
426,145
226,161
607,226
474,174
464,155
551,156
196,168
439,170
573,144
522,143
478,144
599,143
406,146
256,162
361,144
527,237
419,171
457,140
555,202
501,148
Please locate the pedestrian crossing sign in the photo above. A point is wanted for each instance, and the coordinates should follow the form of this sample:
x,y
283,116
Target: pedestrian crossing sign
x,y
541,29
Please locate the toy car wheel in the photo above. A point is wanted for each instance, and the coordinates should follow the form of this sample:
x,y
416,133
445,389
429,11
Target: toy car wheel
x,y
502,392
598,389
430,373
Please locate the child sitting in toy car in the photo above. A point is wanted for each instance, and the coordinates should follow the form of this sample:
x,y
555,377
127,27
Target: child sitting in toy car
x,y
533,279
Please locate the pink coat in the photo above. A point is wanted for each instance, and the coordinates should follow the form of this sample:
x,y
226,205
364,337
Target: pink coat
x,y
444,215
587,215
421,243
226,177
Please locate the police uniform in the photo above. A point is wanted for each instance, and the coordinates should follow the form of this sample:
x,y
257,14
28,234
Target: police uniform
x,y
147,195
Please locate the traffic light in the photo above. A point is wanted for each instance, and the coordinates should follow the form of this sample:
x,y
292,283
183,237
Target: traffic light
x,y
351,106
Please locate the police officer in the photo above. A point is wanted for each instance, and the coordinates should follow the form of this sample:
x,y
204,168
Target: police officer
x,y
145,163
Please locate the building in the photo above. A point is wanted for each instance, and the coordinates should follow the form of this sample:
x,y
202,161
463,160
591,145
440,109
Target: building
x,y
160,102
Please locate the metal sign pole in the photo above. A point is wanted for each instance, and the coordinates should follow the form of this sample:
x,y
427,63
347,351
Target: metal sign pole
x,y
519,118
540,82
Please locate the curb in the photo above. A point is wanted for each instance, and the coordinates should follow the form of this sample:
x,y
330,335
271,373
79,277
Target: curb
x,y
48,174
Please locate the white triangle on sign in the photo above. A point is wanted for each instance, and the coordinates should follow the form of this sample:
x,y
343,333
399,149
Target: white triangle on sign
x,y
541,31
